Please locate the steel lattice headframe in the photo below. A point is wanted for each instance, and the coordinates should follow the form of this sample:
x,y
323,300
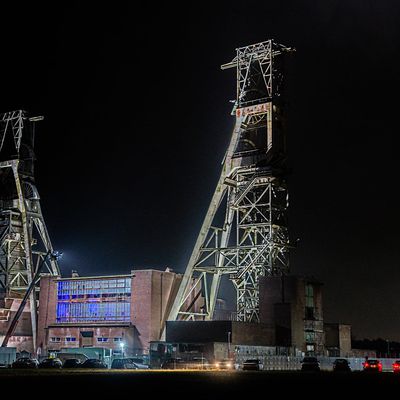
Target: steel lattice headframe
x,y
251,193
24,240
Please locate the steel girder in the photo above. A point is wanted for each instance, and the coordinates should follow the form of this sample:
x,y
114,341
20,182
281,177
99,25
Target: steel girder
x,y
262,240
253,240
24,239
251,193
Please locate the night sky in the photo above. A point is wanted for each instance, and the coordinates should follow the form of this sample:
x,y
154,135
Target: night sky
x,y
137,119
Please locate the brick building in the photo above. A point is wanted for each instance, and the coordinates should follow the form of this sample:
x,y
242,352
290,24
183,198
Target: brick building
x,y
291,320
22,338
293,305
122,313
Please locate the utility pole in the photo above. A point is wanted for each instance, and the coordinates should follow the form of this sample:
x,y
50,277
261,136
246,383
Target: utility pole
x,y
229,344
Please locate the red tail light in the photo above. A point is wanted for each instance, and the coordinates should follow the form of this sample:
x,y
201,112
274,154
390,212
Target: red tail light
x,y
366,365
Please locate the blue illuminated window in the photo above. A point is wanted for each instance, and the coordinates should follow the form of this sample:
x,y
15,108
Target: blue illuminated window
x,y
93,300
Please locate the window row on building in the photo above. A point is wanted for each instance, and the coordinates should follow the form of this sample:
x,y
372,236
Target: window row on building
x,y
116,294
55,339
107,339
100,287
76,312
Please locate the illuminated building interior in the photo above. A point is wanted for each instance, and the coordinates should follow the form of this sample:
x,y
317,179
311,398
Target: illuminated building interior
x,y
93,300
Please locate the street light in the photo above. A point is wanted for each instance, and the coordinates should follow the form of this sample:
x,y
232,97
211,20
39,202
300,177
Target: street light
x,y
122,344
37,118
229,344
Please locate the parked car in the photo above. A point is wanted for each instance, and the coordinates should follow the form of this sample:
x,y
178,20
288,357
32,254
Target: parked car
x,y
310,364
251,365
94,363
372,366
129,363
341,365
25,362
123,363
139,362
50,363
72,363
225,364
396,367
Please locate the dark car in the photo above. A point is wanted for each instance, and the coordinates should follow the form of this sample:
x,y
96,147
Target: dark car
x,y
25,362
310,364
94,363
225,364
341,365
251,365
123,363
139,362
50,363
72,363
372,366
396,367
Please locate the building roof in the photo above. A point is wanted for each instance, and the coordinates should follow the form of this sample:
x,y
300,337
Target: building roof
x,y
78,278
132,274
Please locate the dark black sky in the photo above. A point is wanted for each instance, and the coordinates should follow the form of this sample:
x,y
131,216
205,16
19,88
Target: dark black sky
x,y
137,118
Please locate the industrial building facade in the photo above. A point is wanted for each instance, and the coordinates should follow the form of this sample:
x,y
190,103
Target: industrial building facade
x,y
291,321
126,315
293,305
122,313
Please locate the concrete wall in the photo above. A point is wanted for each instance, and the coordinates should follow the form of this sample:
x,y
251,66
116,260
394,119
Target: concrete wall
x,y
198,331
246,333
242,333
283,324
338,339
298,312
345,340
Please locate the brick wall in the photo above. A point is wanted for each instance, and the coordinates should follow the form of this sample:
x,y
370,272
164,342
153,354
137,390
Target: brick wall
x,y
152,294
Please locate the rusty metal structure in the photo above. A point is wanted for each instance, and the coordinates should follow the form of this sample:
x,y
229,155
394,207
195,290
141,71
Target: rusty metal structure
x,y
245,234
24,240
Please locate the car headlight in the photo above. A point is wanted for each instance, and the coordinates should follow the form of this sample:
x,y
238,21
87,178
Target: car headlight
x,y
229,365
217,365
